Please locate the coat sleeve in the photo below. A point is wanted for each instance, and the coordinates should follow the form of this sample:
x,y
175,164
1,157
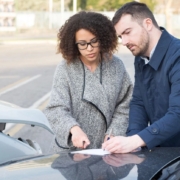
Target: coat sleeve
x,y
138,118
169,125
120,117
58,111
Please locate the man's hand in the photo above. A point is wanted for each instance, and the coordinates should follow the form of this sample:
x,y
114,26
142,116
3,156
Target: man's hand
x,y
79,138
106,137
118,160
121,144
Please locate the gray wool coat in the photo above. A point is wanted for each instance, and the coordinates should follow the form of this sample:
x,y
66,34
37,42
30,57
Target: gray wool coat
x,y
97,102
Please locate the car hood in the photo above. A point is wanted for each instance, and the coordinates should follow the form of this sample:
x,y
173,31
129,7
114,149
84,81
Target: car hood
x,y
65,166
10,113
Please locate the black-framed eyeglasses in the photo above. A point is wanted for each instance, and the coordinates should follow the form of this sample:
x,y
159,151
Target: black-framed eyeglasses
x,y
83,44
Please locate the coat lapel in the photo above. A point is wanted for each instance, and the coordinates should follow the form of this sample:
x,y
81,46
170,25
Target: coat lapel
x,y
95,94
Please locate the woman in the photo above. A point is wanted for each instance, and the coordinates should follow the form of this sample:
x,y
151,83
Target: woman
x,y
91,88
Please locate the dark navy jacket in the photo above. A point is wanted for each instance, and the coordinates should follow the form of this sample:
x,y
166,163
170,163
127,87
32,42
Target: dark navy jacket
x,y
156,96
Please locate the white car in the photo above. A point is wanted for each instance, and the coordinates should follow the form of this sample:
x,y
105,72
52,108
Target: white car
x,y
12,148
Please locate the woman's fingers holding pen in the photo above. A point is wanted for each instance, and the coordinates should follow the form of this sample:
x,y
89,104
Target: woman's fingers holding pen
x,y
79,138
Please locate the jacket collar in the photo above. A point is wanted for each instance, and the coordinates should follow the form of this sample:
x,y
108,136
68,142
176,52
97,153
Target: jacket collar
x,y
161,49
94,93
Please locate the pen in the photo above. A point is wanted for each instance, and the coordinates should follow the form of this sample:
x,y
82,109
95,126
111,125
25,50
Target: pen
x,y
112,170
110,132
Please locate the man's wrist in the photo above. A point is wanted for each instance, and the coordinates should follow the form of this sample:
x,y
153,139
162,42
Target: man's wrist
x,y
138,141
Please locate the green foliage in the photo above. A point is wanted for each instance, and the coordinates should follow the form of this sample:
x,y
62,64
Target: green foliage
x,y
112,5
36,5
108,5
32,5
100,5
150,3
83,4
95,5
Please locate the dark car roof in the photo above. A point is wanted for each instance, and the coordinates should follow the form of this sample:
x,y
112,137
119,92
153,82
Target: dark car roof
x,y
141,165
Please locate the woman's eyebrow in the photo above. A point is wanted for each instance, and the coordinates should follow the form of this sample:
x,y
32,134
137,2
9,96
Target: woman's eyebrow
x,y
85,40
93,38
81,41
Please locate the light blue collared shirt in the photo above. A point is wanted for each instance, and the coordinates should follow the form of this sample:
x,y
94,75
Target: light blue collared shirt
x,y
146,60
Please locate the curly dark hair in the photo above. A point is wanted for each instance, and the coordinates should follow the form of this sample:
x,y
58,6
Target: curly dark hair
x,y
96,23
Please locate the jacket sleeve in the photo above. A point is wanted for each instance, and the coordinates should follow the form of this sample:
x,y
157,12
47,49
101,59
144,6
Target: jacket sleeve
x,y
120,119
138,119
59,111
169,125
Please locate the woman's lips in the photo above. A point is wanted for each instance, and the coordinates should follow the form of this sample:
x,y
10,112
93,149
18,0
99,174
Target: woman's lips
x,y
91,55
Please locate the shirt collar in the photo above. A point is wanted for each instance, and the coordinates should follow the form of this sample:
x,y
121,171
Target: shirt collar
x,y
151,53
160,49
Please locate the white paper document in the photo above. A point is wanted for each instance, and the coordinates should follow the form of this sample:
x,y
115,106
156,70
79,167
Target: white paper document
x,y
100,152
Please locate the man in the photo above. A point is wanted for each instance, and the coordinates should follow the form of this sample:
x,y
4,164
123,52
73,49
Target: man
x,y
154,118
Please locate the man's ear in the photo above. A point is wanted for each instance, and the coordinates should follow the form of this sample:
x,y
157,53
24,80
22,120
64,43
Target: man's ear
x,y
148,24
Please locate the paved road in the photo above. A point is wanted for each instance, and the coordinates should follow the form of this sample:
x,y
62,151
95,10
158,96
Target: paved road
x,y
26,74
128,59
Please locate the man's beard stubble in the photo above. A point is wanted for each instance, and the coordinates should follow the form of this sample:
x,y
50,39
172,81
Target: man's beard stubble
x,y
143,44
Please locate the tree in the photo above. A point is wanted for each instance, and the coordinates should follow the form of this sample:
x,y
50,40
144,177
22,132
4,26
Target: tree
x,y
112,5
150,3
168,15
33,5
81,4
36,5
108,5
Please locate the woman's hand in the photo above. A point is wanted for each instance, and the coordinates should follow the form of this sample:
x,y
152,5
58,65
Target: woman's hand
x,y
79,138
80,157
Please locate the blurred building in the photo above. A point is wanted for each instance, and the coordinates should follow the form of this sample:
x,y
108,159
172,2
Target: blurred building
x,y
7,15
